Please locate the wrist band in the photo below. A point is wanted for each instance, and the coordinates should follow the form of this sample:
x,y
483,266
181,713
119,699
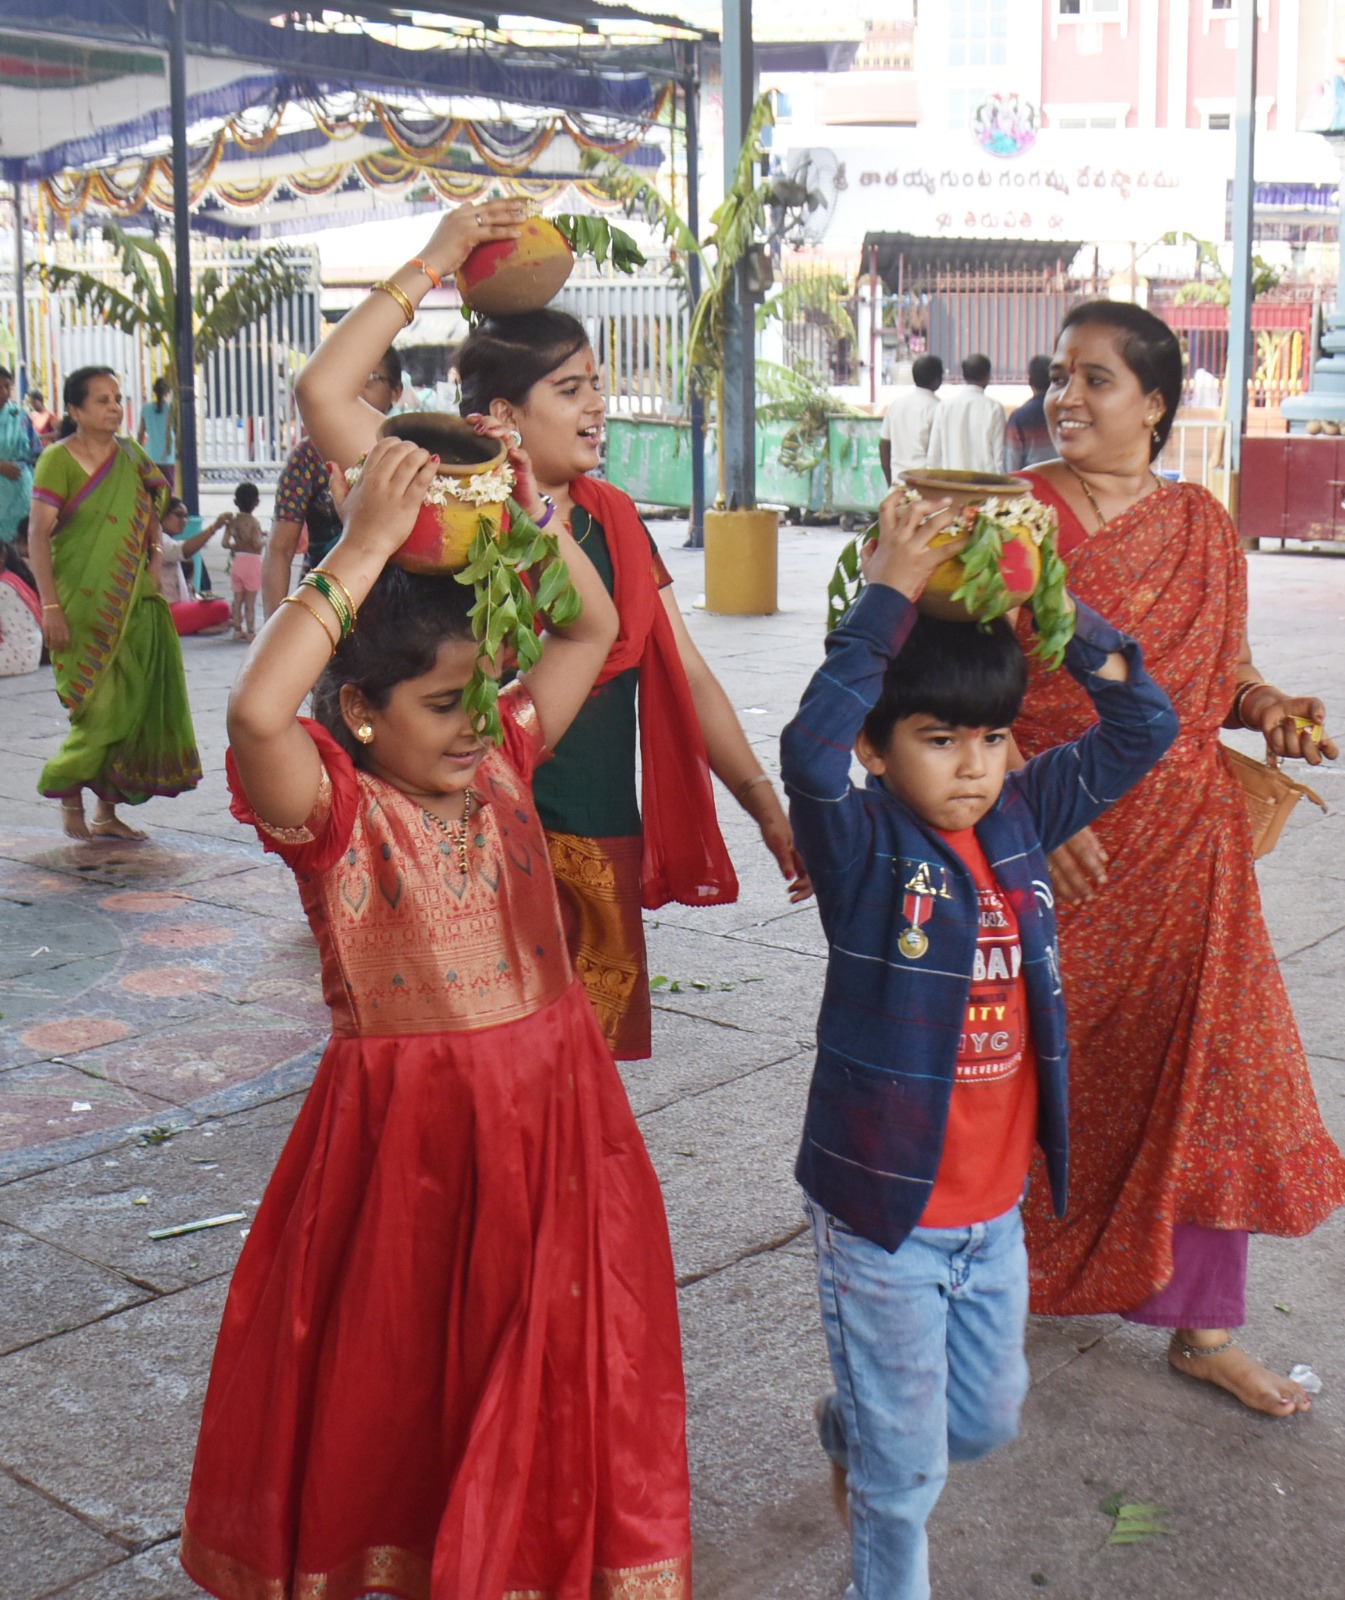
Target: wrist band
x,y
298,600
428,270
54,605
547,515
408,310
740,792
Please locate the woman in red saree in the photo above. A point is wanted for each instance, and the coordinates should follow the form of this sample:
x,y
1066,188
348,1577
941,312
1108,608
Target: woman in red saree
x,y
534,380
1192,1118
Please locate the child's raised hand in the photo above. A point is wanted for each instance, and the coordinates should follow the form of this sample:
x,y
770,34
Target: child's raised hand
x,y
380,511
903,556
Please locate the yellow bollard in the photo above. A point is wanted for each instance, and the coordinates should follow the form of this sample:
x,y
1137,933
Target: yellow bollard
x,y
741,562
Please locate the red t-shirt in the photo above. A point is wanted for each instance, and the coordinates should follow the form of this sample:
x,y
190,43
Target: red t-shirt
x,y
992,1117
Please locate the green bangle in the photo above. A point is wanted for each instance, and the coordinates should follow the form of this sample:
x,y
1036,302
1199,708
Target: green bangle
x,y
327,588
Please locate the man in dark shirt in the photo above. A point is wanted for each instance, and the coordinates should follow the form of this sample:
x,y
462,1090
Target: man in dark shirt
x,y
1026,439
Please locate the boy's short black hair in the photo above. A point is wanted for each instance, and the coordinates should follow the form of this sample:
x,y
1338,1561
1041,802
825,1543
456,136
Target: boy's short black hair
x,y
967,676
247,497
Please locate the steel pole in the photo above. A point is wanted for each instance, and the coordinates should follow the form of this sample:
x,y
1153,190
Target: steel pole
x,y
691,89
738,424
20,304
185,376
1244,196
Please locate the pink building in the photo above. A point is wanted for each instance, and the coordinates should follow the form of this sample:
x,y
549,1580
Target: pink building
x,y
1171,63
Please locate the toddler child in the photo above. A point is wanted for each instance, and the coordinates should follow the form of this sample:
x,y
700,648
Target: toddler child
x,y
244,537
449,1361
941,1040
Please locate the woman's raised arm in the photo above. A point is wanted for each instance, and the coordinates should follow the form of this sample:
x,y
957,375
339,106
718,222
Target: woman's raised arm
x,y
341,424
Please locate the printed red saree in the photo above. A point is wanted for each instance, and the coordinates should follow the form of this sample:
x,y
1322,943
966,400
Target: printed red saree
x,y
1190,1099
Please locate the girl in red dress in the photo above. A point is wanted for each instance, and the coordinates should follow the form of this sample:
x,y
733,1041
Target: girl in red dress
x,y
449,1364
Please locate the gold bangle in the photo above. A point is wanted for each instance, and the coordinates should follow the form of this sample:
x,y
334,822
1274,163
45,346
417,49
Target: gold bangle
x,y
408,310
741,790
1240,700
52,605
350,598
298,600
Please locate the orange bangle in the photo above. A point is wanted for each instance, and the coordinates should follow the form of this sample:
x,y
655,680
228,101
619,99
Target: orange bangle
x,y
428,270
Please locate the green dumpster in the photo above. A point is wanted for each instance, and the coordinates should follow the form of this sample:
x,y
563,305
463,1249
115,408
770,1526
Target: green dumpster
x,y
857,482
650,459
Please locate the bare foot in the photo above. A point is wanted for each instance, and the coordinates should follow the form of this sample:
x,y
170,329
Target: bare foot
x,y
1257,1387
107,824
73,824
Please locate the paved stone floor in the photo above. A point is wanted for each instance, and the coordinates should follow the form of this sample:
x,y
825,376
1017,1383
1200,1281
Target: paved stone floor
x,y
160,1021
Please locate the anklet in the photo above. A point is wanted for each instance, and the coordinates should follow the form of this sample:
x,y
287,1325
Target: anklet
x,y
1194,1352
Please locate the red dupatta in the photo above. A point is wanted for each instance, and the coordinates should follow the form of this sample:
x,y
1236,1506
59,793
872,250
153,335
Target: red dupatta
x,y
685,858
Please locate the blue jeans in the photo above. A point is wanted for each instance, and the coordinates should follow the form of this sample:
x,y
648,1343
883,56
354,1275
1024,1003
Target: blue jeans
x,y
927,1349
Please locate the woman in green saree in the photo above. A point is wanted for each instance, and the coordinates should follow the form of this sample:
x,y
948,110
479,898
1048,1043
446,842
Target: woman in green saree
x,y
93,540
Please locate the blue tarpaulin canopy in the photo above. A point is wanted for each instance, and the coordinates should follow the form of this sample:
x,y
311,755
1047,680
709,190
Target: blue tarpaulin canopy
x,y
72,73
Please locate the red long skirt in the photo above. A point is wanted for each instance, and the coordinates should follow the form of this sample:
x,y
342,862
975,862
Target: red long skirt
x,y
449,1364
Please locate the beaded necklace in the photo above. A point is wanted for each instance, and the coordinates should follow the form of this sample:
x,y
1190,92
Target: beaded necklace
x,y
456,832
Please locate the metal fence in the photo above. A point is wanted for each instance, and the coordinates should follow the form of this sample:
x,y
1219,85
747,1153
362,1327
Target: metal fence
x,y
247,421
1008,316
638,328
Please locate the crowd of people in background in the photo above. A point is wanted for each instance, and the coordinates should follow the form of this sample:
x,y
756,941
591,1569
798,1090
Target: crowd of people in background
x,y
968,430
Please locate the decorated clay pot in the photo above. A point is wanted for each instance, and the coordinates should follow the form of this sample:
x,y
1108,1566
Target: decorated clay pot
x,y
505,276
1020,562
469,465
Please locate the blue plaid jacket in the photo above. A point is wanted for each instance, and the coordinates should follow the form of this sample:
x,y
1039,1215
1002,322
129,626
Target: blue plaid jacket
x,y
888,1031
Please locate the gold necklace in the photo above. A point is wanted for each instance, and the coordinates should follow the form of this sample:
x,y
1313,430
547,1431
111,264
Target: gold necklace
x,y
588,525
1092,498
456,832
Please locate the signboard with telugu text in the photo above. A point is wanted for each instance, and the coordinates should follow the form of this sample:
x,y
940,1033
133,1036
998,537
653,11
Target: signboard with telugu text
x,y
1106,187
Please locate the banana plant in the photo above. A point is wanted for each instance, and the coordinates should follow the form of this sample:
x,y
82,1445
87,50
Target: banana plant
x,y
220,309
737,226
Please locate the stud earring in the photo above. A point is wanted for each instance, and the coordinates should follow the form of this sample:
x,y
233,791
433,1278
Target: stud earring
x,y
365,733
515,439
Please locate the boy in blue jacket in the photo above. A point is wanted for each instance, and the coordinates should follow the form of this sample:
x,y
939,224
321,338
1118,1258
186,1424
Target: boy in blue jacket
x,y
941,1042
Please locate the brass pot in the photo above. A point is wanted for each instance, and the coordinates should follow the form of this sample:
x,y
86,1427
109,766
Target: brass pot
x,y
443,532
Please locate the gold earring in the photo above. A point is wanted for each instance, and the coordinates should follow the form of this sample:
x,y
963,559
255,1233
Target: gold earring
x,y
365,733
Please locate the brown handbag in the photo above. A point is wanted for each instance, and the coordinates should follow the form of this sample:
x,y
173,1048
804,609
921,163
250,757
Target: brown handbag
x,y
1271,794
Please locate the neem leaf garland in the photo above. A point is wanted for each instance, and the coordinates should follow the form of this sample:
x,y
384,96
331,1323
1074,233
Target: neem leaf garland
x,y
982,590
518,576
596,237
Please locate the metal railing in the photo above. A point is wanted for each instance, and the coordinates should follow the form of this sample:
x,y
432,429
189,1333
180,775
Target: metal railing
x,y
247,421
638,328
1198,451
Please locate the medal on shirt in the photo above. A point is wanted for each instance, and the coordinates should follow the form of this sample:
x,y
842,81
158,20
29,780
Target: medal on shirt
x,y
916,906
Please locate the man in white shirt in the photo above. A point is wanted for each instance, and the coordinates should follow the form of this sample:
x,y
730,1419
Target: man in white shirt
x,y
903,443
968,432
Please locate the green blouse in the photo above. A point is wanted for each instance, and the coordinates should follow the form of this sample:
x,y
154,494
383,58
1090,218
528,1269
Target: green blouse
x,y
588,786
